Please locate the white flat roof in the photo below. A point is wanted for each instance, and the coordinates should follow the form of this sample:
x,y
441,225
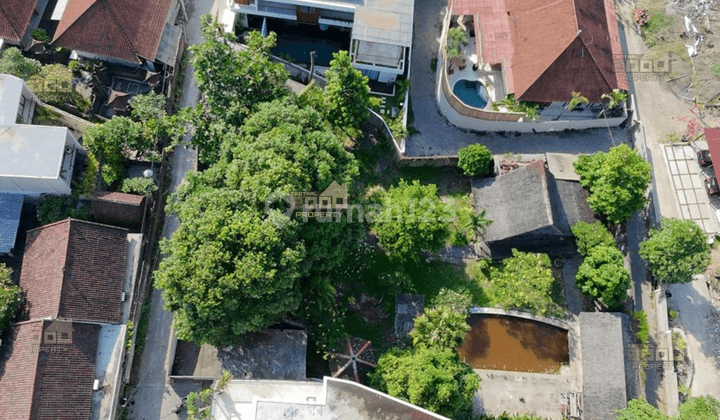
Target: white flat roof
x,y
11,89
32,151
385,22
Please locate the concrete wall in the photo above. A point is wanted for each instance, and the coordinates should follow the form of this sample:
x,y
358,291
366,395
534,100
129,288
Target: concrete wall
x,y
67,119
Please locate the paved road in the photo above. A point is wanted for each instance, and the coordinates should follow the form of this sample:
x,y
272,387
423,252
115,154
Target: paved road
x,y
436,137
701,323
154,397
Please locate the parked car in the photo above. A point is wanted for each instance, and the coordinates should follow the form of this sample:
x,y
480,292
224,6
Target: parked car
x,y
711,186
704,158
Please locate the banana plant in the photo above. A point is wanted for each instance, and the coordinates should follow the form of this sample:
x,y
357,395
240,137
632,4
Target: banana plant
x,y
576,100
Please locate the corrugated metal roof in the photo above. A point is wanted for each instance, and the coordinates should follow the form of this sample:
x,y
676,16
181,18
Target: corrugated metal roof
x,y
10,209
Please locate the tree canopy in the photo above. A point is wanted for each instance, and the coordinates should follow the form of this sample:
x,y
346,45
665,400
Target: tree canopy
x,y
13,62
10,298
435,380
412,219
602,276
347,93
522,281
695,408
440,328
617,182
590,235
232,80
676,251
228,268
52,84
474,160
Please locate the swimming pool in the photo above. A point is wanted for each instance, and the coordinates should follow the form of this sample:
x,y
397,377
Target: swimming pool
x,y
503,342
471,93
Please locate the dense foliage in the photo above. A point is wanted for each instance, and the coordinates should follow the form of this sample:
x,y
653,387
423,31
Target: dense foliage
x,y
617,182
347,93
676,251
139,185
440,328
590,235
602,276
523,281
112,142
52,84
435,380
10,298
412,220
696,408
474,160
14,63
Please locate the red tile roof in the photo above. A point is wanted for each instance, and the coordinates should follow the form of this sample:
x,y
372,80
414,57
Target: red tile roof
x,y
120,197
551,47
15,17
712,136
52,384
119,29
74,269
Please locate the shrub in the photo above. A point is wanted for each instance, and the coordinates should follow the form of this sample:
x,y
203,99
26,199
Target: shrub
x,y
40,34
642,327
590,235
439,329
457,301
74,65
139,185
602,276
10,298
699,408
474,160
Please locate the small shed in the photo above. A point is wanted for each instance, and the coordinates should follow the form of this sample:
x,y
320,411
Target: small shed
x,y
118,209
407,308
353,359
10,210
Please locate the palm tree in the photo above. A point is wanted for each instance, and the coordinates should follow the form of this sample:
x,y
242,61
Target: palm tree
x,y
576,100
456,41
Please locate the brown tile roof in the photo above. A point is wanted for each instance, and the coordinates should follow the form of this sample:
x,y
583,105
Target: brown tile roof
x,y
52,384
119,197
15,17
557,46
120,29
74,269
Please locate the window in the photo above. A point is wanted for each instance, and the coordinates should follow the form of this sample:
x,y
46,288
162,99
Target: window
x,y
50,337
65,336
339,201
325,203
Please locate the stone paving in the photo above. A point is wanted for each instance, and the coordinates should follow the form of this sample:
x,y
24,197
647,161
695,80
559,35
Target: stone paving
x,y
687,183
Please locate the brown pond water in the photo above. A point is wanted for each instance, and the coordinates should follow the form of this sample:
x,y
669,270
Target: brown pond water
x,y
508,343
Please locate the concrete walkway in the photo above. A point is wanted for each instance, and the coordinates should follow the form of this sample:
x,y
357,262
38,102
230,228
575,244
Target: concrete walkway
x,y
437,137
154,397
701,322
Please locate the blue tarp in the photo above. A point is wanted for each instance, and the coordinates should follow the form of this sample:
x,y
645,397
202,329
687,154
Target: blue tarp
x,y
10,209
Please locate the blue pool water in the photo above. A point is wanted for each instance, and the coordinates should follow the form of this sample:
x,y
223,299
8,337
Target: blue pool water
x,y
471,93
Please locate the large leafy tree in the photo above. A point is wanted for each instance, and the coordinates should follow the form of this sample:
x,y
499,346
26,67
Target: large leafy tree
x,y
590,235
440,328
617,182
676,251
347,93
229,268
113,141
14,63
412,219
232,80
432,379
602,276
522,281
10,298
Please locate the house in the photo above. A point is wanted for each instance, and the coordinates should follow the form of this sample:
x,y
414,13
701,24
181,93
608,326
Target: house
x,y
18,18
381,29
129,32
65,363
603,341
530,210
75,269
332,398
546,49
10,211
34,159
